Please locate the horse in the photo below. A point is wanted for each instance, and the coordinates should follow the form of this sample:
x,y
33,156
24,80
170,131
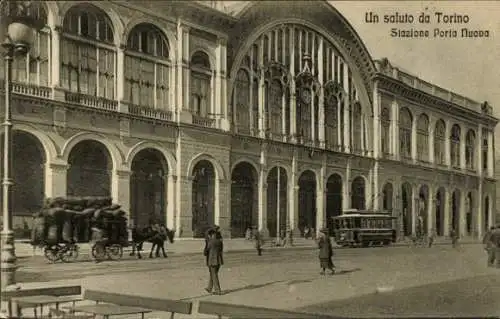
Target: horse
x,y
148,234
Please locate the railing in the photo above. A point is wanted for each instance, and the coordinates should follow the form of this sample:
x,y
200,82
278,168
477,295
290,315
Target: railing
x,y
32,90
92,101
150,112
203,121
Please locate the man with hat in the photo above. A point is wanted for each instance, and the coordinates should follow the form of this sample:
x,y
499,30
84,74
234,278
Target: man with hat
x,y
214,251
325,252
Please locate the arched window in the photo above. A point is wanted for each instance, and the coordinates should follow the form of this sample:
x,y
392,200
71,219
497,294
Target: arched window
x,y
242,100
455,146
470,142
423,138
485,150
357,128
88,52
274,107
201,75
33,67
331,111
439,142
147,67
386,131
405,130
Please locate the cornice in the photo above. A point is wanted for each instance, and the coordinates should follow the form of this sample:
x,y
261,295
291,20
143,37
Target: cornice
x,y
420,97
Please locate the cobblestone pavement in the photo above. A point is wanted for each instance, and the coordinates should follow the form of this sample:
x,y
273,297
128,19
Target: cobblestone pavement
x,y
290,279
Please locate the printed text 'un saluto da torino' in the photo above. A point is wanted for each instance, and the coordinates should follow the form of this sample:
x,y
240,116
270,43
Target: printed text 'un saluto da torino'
x,y
414,26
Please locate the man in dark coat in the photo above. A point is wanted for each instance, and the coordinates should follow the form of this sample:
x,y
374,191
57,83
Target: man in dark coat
x,y
325,252
214,251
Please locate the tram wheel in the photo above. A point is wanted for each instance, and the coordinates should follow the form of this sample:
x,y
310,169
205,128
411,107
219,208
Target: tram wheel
x,y
51,252
70,254
98,251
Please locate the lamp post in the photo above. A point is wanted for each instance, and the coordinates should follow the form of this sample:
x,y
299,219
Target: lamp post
x,y
18,28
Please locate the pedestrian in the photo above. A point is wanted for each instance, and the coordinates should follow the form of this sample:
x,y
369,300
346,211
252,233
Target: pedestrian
x,y
214,260
258,242
432,235
162,237
325,252
489,246
248,234
454,238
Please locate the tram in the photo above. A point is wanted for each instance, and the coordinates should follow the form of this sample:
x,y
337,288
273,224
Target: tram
x,y
364,228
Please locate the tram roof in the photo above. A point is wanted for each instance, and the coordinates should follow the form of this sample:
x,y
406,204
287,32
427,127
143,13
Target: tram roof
x,y
364,213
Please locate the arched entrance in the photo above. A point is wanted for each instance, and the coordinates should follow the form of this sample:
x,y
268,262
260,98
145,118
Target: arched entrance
x,y
406,206
89,172
203,197
148,188
28,174
486,215
455,212
244,209
358,193
469,220
387,197
277,200
333,199
439,218
423,221
307,200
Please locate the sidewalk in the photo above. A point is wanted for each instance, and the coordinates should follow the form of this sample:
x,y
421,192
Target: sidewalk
x,y
195,246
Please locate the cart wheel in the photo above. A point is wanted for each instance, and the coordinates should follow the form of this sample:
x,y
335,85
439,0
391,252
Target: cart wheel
x,y
51,252
70,254
98,251
115,251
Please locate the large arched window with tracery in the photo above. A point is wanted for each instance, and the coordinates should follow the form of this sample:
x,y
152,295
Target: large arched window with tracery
x,y
386,130
201,79
455,146
405,133
147,67
470,142
297,50
242,100
332,96
88,52
439,142
33,67
423,138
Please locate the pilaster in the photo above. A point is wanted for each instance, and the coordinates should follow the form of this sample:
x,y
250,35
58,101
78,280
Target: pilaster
x,y
293,195
490,154
185,225
414,140
346,189
171,190
431,207
262,202
462,213
54,55
447,145
321,106
395,130
376,187
347,111
447,212
120,189
432,127
480,222
321,221
462,148
376,121
55,179
479,152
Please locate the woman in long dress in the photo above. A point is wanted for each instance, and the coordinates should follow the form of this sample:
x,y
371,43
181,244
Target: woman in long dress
x,y
325,252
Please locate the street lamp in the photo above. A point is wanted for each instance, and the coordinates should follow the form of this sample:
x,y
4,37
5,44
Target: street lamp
x,y
18,29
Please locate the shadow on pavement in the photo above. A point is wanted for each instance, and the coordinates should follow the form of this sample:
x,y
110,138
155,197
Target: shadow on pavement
x,y
475,297
248,287
346,271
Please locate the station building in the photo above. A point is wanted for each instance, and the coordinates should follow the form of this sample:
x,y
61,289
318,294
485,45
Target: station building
x,y
265,114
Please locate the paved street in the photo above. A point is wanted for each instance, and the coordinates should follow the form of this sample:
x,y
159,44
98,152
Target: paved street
x,y
413,281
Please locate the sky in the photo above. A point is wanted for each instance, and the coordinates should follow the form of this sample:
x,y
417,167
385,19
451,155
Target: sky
x,y
468,66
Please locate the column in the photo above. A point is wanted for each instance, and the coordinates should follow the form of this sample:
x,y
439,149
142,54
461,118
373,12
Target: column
x,y
261,92
376,121
414,209
431,141
462,212
490,153
262,203
395,130
120,189
182,87
220,80
479,211
321,106
170,195
447,212
54,62
431,206
293,197
347,108
447,145
55,179
346,190
120,78
376,192
321,200
479,151
293,99
414,139
463,132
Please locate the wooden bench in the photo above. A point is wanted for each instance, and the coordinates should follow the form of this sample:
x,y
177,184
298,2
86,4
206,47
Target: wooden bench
x,y
238,311
140,304
70,293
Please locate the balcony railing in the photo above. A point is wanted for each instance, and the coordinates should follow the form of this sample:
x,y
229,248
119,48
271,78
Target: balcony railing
x,y
91,101
150,112
32,90
203,121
